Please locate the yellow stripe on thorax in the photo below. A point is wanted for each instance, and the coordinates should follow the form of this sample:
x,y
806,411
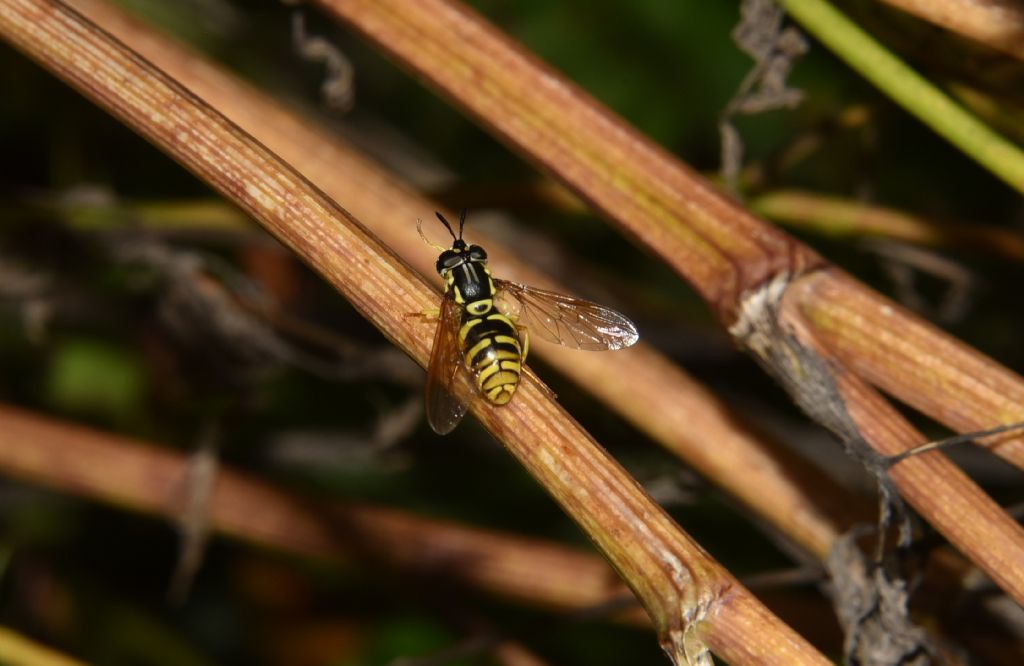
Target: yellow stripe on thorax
x,y
480,307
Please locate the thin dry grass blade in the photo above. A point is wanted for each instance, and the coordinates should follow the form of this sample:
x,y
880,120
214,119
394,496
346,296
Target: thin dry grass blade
x,y
686,593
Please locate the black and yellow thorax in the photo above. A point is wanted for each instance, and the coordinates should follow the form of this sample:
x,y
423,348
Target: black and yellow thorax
x,y
489,340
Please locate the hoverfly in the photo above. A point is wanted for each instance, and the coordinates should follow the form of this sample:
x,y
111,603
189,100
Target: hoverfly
x,y
484,325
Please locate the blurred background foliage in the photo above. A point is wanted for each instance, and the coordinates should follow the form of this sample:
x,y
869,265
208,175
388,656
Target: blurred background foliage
x,y
127,303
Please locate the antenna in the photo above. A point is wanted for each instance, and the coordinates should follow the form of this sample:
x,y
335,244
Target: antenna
x,y
448,226
462,222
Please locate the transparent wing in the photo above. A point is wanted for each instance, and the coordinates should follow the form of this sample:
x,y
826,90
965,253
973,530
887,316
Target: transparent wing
x,y
573,322
444,408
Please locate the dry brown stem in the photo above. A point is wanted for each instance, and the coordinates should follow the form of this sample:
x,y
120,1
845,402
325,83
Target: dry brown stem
x,y
724,252
673,211
932,372
788,492
141,477
775,324
995,23
145,478
842,217
148,479
943,494
694,603
717,246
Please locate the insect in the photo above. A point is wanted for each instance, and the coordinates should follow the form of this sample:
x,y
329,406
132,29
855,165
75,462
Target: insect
x,y
484,326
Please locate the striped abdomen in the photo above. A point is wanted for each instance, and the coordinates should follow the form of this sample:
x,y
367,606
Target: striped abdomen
x,y
490,344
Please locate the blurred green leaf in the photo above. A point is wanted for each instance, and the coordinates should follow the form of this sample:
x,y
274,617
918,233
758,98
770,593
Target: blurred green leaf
x,y
96,378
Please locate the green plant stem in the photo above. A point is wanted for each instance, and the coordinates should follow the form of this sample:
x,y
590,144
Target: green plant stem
x,y
909,89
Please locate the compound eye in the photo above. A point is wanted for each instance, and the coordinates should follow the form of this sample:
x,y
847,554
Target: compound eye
x,y
448,260
476,253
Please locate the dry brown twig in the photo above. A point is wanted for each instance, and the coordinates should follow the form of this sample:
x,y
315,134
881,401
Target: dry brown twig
x,y
787,492
832,215
689,417
147,479
807,512
694,603
371,193
744,268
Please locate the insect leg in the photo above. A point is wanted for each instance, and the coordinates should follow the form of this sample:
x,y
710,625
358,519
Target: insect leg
x,y
426,313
